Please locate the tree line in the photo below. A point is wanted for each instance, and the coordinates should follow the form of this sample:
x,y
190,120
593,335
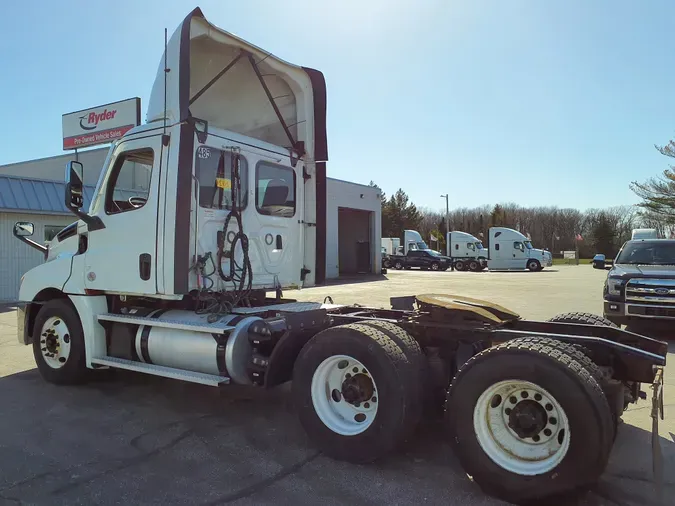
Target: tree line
x,y
556,229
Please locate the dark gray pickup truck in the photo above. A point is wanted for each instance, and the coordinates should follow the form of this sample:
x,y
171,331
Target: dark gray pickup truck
x,y
640,286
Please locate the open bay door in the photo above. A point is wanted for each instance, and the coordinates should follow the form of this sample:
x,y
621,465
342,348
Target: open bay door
x,y
225,92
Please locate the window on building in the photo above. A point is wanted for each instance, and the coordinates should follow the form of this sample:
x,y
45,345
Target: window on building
x,y
275,190
214,173
129,185
51,231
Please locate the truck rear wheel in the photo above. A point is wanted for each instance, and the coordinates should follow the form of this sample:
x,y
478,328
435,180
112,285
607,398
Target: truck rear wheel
x,y
58,344
459,265
584,318
421,397
474,266
398,265
354,389
528,421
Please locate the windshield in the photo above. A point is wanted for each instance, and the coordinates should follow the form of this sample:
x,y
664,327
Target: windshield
x,y
479,245
433,253
648,253
528,244
421,245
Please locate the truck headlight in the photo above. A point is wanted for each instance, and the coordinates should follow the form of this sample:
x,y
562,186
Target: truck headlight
x,y
615,286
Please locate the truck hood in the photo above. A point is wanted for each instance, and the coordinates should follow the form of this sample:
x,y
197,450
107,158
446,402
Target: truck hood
x,y
198,52
628,271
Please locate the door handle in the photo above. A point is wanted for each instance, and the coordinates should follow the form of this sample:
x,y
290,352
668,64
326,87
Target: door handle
x,y
144,260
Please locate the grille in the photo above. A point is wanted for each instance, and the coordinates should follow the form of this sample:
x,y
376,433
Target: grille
x,y
651,292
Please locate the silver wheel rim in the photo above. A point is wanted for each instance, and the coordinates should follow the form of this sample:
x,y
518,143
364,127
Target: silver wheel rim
x,y
434,267
521,427
344,395
533,266
459,266
55,342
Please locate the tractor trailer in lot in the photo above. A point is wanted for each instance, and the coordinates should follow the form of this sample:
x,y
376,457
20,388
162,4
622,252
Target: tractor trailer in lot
x,y
186,280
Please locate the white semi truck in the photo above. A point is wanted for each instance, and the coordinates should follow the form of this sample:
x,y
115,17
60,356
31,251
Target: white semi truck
x,y
511,250
467,252
174,282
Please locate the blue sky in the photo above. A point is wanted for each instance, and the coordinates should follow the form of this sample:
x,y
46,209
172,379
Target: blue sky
x,y
555,102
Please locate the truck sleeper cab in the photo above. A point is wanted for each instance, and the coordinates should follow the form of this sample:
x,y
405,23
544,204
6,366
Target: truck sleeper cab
x,y
511,250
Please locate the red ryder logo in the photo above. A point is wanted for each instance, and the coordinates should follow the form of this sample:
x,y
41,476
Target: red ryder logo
x,y
93,118
100,125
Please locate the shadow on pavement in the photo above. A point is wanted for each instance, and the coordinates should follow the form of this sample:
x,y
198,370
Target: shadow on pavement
x,y
151,440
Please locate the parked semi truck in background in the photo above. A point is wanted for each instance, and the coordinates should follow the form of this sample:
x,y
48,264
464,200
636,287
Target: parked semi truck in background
x,y
185,280
511,250
466,251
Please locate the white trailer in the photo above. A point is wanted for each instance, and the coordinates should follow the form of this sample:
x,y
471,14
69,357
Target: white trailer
x,y
173,281
390,245
511,250
644,233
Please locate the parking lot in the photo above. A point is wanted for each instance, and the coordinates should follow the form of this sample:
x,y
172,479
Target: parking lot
x,y
132,439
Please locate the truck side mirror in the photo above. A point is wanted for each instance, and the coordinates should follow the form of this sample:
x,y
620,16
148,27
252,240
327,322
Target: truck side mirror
x,y
23,229
74,185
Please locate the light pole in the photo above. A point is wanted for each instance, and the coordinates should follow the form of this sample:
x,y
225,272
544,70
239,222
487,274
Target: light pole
x,y
447,228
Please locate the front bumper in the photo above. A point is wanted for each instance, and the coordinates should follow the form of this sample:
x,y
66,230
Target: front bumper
x,y
22,323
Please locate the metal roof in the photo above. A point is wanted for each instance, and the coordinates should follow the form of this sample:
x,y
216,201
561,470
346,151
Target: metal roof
x,y
18,194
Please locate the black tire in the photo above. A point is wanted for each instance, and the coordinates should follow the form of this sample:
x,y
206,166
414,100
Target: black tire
x,y
459,265
435,266
533,265
398,265
386,264
418,361
584,318
474,266
74,370
396,386
584,356
542,362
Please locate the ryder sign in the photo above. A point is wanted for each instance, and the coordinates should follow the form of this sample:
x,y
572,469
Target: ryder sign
x,y
100,125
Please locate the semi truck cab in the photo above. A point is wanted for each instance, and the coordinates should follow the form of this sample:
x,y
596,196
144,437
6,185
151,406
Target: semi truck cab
x,y
511,250
216,143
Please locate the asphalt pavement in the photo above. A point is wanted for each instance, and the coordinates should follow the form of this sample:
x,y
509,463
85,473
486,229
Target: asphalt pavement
x,y
132,439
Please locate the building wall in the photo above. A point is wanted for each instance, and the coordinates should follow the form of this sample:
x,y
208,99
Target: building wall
x,y
16,257
54,167
352,196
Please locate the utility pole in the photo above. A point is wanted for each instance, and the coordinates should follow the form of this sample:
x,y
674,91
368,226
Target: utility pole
x,y
447,228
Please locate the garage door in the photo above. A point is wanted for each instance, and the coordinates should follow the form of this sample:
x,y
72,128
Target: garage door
x,y
354,250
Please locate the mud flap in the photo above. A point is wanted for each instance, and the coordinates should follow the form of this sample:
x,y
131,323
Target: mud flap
x,y
657,411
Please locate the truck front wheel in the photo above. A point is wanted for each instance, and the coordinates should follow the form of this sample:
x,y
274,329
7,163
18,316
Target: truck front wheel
x,y
398,265
534,265
58,343
353,387
529,422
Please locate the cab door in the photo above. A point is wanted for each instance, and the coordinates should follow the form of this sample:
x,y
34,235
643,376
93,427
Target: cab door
x,y
279,215
122,256
518,257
